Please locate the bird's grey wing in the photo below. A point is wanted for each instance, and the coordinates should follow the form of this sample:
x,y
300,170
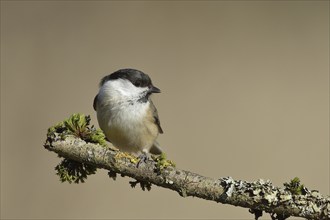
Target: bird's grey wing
x,y
95,102
156,118
94,106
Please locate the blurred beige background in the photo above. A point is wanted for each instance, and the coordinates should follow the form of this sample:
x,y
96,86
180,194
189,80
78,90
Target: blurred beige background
x,y
245,93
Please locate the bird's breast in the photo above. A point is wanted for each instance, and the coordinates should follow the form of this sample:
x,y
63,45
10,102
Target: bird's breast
x,y
128,126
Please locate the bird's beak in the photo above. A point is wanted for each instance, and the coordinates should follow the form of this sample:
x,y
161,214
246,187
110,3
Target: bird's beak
x,y
154,89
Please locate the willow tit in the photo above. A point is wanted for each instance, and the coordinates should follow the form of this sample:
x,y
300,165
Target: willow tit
x,y
126,113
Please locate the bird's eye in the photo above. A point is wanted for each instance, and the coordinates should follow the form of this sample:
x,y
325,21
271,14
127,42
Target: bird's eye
x,y
137,83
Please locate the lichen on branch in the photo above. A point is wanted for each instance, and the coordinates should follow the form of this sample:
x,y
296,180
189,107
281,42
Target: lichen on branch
x,y
77,125
84,149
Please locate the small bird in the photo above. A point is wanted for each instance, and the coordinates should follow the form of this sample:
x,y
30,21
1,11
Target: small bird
x,y
126,113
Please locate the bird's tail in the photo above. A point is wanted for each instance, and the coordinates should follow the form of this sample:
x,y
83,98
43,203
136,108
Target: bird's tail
x,y
156,149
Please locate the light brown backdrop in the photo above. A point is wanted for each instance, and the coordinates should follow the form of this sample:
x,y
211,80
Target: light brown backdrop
x,y
245,89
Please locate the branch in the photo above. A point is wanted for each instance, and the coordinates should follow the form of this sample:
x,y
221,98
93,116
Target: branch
x,y
281,203
259,195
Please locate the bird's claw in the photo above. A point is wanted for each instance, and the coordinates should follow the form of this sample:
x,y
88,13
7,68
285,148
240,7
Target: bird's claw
x,y
143,158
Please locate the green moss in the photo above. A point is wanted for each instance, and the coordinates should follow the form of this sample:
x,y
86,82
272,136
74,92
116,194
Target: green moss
x,y
73,172
295,187
78,125
143,184
130,157
162,162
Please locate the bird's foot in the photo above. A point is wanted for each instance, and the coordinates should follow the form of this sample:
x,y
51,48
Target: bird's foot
x,y
143,158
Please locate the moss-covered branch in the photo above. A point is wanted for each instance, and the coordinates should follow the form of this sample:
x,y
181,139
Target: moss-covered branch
x,y
82,157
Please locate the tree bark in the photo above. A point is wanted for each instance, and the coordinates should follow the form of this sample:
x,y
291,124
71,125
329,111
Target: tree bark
x,y
257,196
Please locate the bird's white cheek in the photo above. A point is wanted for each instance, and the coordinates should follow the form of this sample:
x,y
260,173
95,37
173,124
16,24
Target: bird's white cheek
x,y
122,90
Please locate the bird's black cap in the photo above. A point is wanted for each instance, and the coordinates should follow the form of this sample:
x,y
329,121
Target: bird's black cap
x,y
136,77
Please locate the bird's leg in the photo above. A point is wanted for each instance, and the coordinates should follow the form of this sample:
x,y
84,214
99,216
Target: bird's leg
x,y
143,157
